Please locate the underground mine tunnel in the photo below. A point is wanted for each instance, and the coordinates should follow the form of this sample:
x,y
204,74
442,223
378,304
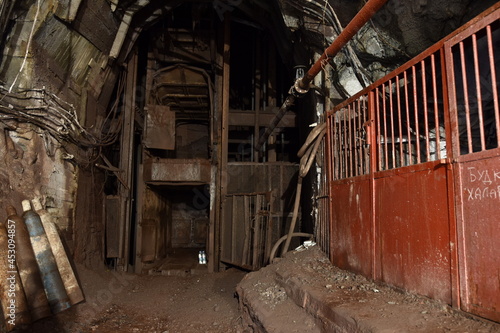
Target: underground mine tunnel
x,y
249,166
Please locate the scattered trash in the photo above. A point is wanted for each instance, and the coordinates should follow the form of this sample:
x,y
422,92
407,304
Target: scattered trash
x,y
306,245
202,258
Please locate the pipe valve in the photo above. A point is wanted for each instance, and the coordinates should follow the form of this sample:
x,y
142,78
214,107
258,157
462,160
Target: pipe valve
x,y
298,90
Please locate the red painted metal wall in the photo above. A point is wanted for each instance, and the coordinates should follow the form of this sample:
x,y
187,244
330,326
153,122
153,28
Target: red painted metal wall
x,y
414,173
413,232
351,239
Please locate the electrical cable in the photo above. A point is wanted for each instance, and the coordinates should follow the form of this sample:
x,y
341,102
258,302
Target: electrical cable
x,y
308,153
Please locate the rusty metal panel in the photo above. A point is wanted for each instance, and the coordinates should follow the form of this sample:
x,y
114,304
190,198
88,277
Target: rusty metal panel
x,y
177,171
478,210
351,226
159,128
413,232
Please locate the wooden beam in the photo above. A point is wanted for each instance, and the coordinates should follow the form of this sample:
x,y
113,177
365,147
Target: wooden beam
x,y
126,162
258,91
226,70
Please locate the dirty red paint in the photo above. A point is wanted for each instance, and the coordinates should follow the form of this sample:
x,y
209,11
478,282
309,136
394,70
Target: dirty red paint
x,y
414,171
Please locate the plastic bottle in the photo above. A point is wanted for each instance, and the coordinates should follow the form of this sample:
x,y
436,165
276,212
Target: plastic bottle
x,y
14,305
52,282
70,282
28,269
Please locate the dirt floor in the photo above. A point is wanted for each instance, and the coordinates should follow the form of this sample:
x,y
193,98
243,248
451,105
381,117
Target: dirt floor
x,y
307,278
153,304
207,302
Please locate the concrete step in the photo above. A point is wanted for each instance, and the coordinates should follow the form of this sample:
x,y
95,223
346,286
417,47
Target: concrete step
x,y
339,301
266,308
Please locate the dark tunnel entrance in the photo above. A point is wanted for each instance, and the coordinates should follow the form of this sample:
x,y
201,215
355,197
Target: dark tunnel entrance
x,y
204,91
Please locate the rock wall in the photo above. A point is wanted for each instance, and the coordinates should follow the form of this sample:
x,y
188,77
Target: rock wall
x,y
50,46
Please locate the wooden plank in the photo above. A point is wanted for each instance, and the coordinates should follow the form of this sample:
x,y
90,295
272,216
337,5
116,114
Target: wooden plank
x,y
234,203
247,118
223,133
246,229
126,161
256,246
258,90
139,207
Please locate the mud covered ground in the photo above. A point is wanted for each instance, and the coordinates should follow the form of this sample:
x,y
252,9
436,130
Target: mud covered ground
x,y
153,304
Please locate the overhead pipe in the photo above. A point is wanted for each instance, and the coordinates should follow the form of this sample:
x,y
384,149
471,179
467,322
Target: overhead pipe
x,y
302,85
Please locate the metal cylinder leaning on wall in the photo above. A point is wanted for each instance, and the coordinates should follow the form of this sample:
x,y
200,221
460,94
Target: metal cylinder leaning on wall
x,y
71,285
52,282
28,269
14,305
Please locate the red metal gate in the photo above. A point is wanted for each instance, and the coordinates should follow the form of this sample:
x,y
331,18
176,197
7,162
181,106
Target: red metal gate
x,y
415,173
473,59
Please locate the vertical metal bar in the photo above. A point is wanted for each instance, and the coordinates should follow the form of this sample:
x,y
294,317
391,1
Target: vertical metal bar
x,y
378,141
415,111
350,134
408,126
344,143
425,109
491,56
362,138
466,97
450,100
355,136
373,115
391,110
478,92
336,153
384,113
400,124
369,142
436,108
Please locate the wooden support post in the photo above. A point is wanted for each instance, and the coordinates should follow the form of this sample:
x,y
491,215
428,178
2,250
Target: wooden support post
x,y
258,92
222,115
126,162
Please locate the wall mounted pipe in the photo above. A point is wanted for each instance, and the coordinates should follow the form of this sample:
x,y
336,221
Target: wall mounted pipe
x,y
302,85
365,14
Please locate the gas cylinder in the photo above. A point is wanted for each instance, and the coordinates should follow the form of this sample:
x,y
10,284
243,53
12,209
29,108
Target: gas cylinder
x,y
14,305
28,269
71,286
52,282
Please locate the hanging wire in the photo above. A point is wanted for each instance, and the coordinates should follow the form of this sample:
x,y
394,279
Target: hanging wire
x,y
55,118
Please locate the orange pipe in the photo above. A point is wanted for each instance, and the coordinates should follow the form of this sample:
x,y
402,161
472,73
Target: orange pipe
x,y
366,13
